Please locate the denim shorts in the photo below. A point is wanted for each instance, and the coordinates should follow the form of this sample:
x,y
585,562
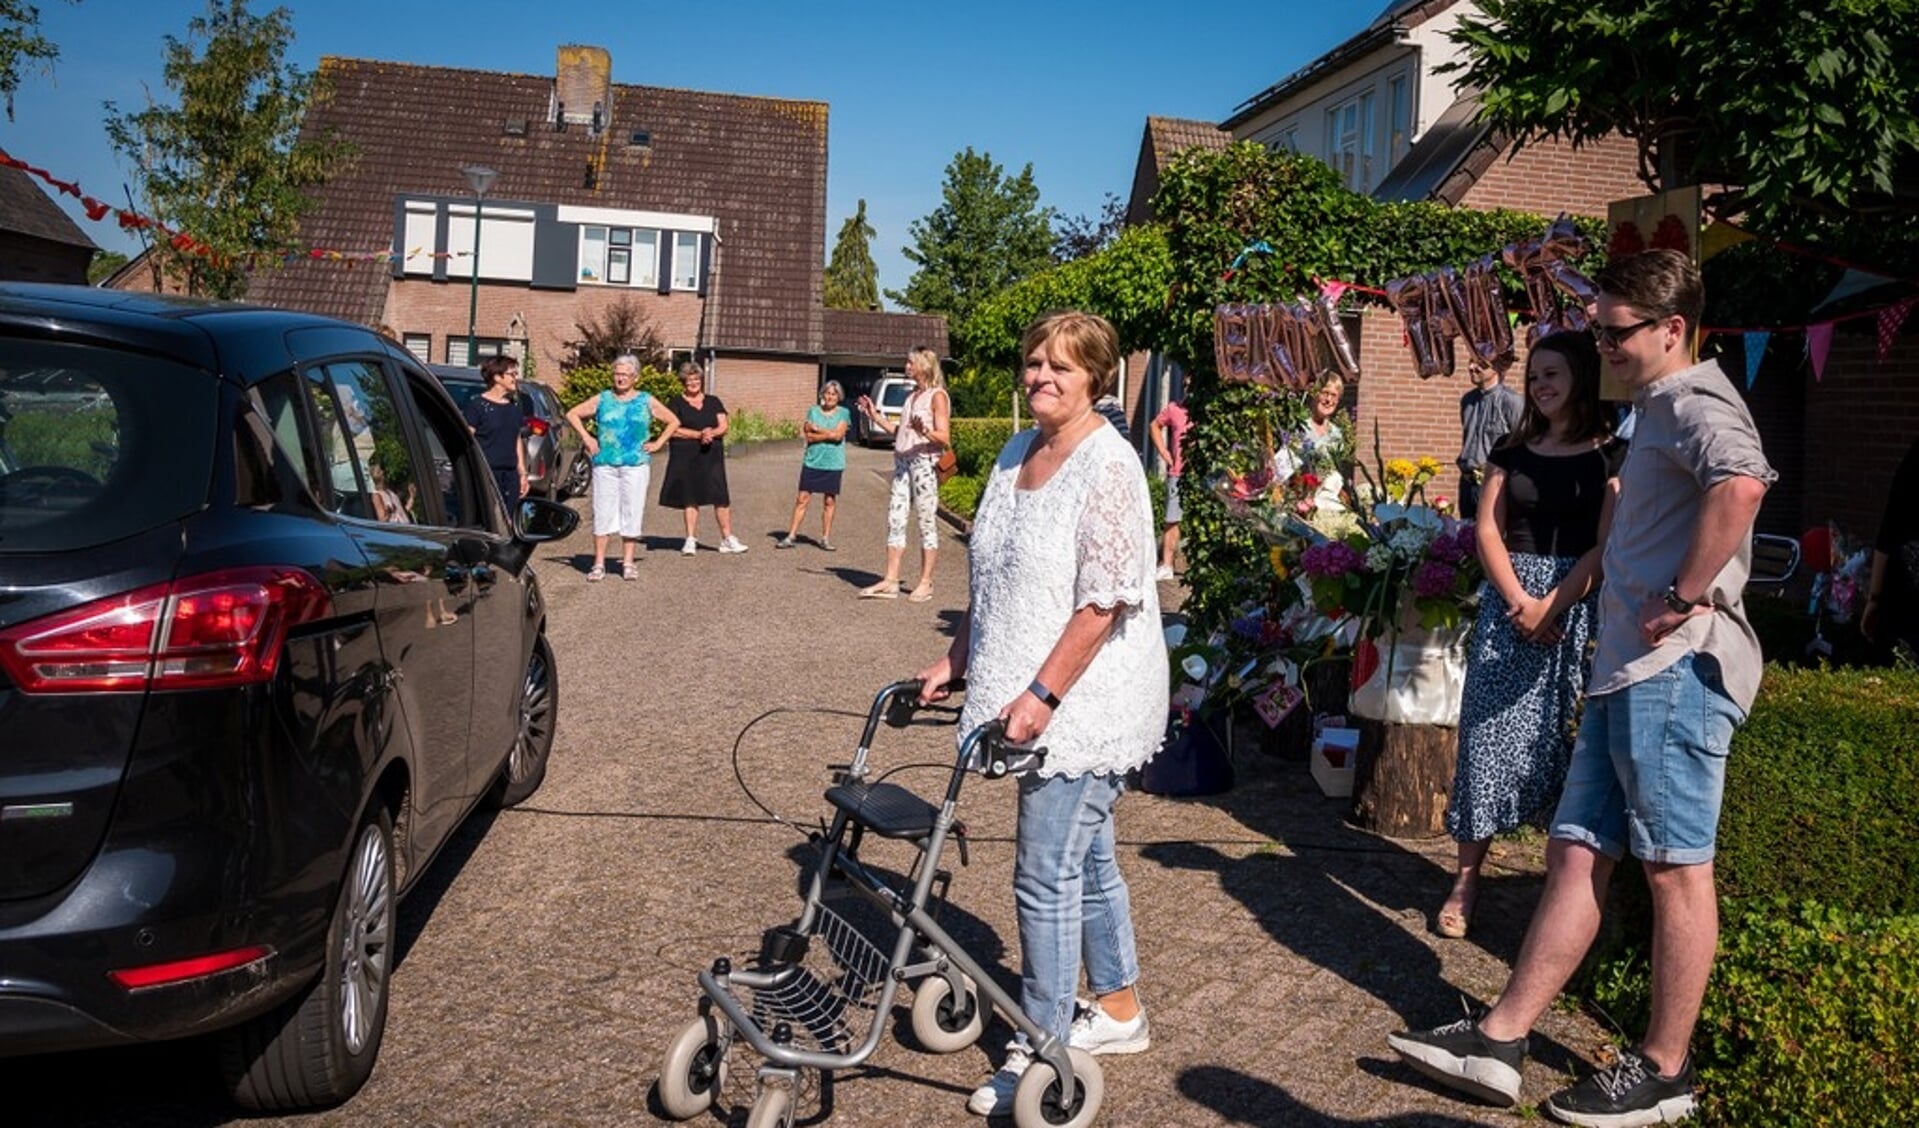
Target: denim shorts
x,y
1649,768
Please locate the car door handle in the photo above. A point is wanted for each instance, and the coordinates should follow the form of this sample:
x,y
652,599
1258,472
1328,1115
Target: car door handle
x,y
455,578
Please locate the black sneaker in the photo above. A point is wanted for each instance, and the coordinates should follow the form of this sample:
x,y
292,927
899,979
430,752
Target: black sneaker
x,y
1627,1094
1458,1055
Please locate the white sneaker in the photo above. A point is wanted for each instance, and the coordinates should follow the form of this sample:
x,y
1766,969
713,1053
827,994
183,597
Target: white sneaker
x,y
1164,575
690,547
732,544
1097,1032
995,1098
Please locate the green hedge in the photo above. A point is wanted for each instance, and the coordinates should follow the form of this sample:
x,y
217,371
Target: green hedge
x,y
1810,1015
1822,791
585,383
960,494
976,442
1812,1019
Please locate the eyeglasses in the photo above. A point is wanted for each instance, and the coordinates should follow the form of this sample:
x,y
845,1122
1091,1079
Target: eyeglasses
x,y
1611,337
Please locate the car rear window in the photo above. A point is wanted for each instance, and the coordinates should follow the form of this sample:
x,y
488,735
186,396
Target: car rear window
x,y
894,395
98,444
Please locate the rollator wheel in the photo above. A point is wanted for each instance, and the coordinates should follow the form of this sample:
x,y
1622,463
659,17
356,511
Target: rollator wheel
x,y
943,1022
1037,1102
695,1069
773,1109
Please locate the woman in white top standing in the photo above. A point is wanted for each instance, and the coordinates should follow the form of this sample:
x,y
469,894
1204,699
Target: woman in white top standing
x,y
918,439
1063,640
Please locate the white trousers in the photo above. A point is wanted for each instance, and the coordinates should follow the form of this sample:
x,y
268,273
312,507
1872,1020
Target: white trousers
x,y
619,499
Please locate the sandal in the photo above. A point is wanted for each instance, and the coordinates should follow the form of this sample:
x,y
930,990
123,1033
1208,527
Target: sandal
x,y
920,595
596,573
630,570
882,590
1452,923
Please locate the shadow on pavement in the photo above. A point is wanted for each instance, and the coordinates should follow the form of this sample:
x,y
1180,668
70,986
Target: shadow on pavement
x,y
1243,1099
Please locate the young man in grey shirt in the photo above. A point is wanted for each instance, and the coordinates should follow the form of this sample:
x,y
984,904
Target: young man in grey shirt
x,y
1676,670
1486,414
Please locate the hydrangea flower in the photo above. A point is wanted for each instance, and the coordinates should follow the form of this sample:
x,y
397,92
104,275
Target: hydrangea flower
x,y
1331,560
1433,579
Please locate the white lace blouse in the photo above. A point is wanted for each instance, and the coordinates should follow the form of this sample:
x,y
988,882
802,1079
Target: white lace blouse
x,y
1037,556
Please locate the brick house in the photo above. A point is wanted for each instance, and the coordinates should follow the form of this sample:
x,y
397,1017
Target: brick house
x,y
1375,109
38,242
706,211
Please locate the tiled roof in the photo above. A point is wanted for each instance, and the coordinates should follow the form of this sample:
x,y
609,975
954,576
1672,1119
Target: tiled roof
x,y
1171,136
1385,30
1164,139
882,337
758,165
26,210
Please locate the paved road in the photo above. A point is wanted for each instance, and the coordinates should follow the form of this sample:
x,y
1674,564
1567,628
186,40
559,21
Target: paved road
x,y
551,953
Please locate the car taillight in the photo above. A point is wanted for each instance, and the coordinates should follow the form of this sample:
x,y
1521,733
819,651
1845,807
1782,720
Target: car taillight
x,y
537,426
179,971
220,629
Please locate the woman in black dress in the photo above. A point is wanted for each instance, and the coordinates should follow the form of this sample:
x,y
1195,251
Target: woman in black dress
x,y
1543,511
696,460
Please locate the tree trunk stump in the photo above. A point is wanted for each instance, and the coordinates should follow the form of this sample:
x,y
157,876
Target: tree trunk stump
x,y
1403,778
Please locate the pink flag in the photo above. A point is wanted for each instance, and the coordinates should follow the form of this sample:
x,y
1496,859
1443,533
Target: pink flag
x,y
1891,319
1333,290
1818,344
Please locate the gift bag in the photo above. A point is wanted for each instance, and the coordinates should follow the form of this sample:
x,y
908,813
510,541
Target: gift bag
x,y
1191,761
1418,678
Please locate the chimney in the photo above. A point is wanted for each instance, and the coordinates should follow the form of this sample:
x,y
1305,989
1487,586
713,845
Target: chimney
x,y
583,87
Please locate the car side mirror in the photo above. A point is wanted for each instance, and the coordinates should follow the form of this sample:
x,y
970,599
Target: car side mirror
x,y
543,520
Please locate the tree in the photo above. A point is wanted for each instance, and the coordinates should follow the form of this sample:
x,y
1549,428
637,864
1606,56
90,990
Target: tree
x,y
621,328
104,263
852,277
1815,114
227,166
987,233
1082,235
21,41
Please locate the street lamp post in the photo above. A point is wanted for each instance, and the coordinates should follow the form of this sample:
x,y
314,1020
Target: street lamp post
x,y
479,178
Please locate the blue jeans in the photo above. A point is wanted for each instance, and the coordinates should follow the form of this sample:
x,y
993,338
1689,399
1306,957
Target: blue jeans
x,y
1072,902
1649,768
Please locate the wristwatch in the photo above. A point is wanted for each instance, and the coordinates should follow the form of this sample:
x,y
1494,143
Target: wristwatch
x,y
1678,604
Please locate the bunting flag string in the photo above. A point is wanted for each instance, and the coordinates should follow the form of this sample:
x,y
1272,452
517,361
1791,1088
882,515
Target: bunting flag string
x,y
1891,319
1818,347
1755,353
98,210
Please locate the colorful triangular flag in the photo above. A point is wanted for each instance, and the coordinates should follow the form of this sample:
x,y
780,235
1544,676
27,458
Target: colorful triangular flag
x,y
1818,344
1718,237
1755,352
1891,319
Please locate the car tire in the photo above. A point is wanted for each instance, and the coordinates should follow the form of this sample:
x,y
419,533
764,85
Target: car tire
x,y
317,1049
525,767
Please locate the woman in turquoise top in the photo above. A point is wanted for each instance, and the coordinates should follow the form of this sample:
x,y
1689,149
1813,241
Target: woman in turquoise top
x,y
823,463
622,458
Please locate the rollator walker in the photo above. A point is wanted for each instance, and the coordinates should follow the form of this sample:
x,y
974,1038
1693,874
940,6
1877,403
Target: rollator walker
x,y
818,993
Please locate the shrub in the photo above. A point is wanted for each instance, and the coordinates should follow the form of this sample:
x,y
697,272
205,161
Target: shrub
x,y
981,392
1822,791
752,427
976,442
1810,1020
584,383
1156,487
960,494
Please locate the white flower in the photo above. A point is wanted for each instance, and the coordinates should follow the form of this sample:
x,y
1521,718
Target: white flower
x,y
1379,557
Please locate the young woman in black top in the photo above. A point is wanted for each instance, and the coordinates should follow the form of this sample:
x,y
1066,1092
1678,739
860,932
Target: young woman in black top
x,y
1543,512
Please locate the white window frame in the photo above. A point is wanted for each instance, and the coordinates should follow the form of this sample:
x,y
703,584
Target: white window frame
x,y
420,345
483,347
599,252
686,260
1350,144
1400,103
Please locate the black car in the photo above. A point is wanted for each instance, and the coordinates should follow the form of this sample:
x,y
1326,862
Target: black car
x,y
556,463
267,635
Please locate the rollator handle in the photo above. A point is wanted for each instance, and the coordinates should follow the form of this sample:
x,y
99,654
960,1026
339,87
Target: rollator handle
x,y
904,704
998,757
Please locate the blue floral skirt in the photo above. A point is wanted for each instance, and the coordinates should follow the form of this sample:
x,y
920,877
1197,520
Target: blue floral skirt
x,y
1519,710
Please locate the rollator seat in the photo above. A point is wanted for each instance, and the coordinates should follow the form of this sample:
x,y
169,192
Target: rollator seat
x,y
887,809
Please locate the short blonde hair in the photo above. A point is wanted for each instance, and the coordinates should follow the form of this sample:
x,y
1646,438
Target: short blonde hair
x,y
1087,339
926,362
691,368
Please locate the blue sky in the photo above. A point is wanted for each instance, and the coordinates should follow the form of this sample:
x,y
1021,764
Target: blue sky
x,y
1065,85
